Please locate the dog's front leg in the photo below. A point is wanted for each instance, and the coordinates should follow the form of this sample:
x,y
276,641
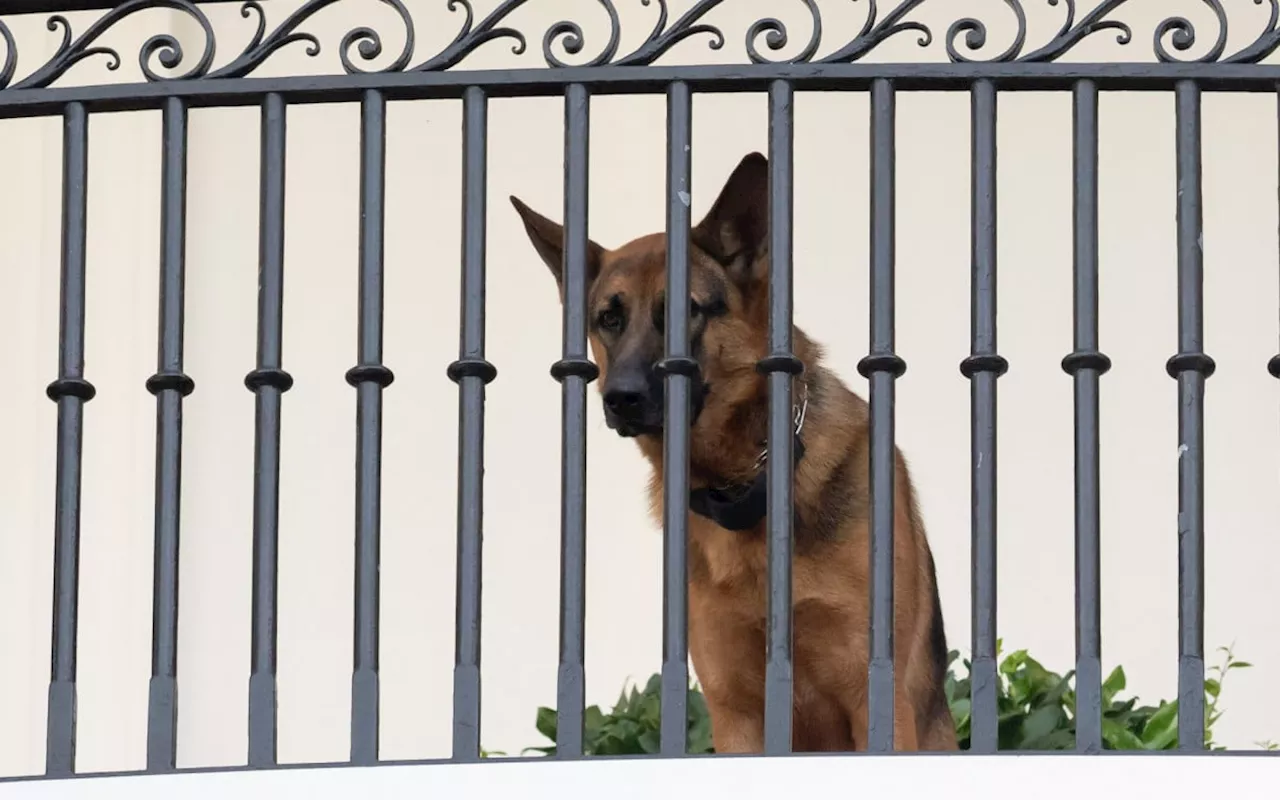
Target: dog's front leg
x,y
905,738
735,731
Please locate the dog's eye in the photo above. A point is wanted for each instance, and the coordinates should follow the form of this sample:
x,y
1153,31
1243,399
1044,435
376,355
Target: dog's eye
x,y
714,307
660,313
609,320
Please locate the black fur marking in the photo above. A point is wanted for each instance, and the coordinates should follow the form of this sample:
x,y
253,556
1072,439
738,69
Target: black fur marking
x,y
613,307
937,639
835,504
739,507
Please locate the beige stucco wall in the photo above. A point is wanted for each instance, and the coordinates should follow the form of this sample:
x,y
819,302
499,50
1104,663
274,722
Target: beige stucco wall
x,y
522,478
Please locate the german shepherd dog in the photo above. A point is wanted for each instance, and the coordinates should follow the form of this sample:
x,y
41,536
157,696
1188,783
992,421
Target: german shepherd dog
x,y
728,576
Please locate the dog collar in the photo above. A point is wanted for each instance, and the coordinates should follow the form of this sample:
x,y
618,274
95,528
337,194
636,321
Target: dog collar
x,y
741,506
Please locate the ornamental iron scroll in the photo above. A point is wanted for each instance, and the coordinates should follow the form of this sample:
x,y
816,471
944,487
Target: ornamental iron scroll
x,y
963,39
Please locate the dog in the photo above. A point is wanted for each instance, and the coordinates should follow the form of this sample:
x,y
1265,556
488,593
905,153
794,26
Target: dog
x,y
728,553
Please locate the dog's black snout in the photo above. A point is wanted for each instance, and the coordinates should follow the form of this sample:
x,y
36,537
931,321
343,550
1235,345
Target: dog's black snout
x,y
625,401
632,401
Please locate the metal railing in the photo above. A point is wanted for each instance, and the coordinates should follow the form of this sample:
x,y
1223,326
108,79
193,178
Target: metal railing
x,y
843,69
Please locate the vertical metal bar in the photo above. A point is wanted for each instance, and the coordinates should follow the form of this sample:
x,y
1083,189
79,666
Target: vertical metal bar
x,y
574,371
1273,363
678,368
1086,365
472,373
369,377
882,367
70,391
169,385
781,365
1190,367
268,381
982,367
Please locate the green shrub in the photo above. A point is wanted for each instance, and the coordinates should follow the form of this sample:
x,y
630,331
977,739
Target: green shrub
x,y
1035,708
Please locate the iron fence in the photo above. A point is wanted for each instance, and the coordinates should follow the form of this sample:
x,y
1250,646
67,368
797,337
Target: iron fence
x,y
843,69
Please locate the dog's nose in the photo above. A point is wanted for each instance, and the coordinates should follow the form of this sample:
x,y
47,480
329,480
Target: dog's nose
x,y
626,393
625,401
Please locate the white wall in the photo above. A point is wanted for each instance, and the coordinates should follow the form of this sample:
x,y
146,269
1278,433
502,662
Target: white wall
x,y
522,476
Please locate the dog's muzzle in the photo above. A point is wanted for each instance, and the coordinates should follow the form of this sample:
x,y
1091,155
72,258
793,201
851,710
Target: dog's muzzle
x,y
632,409
636,407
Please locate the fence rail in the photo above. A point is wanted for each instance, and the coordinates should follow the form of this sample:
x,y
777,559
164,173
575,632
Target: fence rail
x,y
843,69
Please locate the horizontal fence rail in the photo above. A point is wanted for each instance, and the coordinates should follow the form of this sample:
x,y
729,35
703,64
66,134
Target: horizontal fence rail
x,y
205,76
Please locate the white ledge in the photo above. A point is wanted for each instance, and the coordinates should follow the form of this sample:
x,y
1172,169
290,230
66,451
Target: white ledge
x,y
953,777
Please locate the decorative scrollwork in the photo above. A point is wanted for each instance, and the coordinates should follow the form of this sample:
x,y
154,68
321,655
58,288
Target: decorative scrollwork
x,y
1265,44
10,64
468,39
775,36
874,31
261,46
1182,33
975,35
1072,33
1173,37
72,51
661,38
570,34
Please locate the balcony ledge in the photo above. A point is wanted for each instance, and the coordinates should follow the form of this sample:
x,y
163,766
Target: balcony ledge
x,y
956,777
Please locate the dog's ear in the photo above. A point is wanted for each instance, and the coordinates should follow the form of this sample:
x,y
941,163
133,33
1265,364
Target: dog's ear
x,y
735,231
548,240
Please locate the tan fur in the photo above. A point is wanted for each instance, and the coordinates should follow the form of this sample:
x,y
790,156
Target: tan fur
x,y
728,576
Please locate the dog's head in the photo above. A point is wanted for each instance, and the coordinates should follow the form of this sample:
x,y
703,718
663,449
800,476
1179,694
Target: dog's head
x,y
626,289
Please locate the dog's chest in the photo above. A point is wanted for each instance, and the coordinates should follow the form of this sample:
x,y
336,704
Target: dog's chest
x,y
724,558
734,565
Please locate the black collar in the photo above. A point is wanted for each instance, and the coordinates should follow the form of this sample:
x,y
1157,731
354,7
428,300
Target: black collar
x,y
740,506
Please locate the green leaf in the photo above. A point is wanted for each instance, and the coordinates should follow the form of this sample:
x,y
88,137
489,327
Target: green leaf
x,y
1012,662
654,684
592,721
695,706
1061,739
1035,708
1120,737
1042,722
546,722
700,736
1114,683
1161,730
649,742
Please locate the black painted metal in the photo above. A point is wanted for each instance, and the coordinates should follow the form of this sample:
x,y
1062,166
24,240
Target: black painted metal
x,y
472,373
882,367
1086,365
679,369
574,371
369,377
169,385
191,80
16,7
1191,367
1273,363
781,365
962,40
268,381
982,367
70,391
626,80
